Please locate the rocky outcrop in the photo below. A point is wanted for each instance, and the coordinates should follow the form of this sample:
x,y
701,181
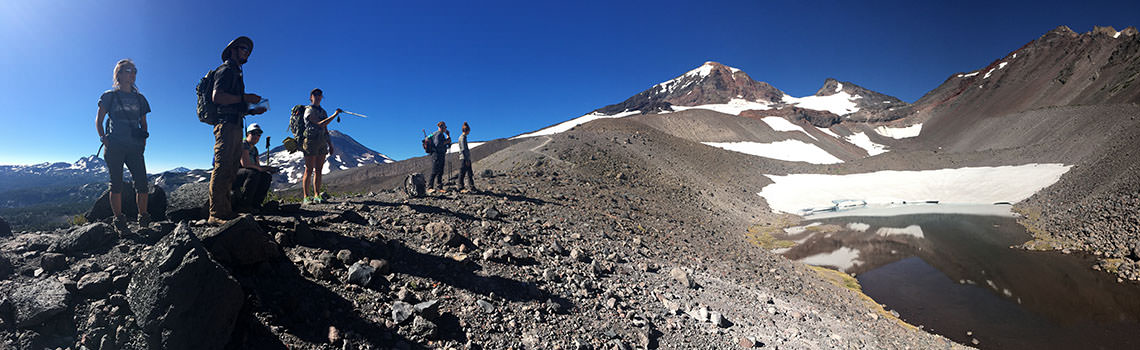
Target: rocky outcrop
x,y
189,202
181,297
87,238
240,242
155,205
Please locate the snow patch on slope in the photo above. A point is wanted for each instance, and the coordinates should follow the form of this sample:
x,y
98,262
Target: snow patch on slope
x,y
863,141
470,145
899,133
789,150
841,103
733,107
569,124
792,193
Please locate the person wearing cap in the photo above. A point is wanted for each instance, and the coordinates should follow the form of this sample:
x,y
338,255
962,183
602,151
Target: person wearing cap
x,y
253,180
441,141
316,146
125,139
233,104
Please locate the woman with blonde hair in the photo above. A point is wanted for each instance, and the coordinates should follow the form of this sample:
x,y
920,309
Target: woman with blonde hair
x,y
124,138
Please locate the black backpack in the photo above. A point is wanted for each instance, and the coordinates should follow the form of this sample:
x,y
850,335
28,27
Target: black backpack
x,y
207,109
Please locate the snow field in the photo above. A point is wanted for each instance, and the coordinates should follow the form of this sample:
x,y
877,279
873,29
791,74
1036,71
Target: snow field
x,y
974,185
899,133
789,150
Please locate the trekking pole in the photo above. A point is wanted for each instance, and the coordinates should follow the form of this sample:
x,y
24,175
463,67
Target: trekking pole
x,y
99,150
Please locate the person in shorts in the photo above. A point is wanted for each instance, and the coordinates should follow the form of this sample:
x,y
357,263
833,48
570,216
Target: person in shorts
x,y
316,147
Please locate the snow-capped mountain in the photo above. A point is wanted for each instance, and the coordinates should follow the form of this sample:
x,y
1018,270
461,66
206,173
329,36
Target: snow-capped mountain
x,y
84,170
347,153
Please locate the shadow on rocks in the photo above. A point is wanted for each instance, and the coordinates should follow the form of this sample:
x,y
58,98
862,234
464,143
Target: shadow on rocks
x,y
462,275
425,209
304,309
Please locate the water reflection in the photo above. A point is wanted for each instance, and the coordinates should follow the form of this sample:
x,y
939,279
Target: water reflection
x,y
957,273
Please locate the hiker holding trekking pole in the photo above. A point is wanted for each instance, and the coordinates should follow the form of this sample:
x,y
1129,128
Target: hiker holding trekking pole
x,y
316,146
125,139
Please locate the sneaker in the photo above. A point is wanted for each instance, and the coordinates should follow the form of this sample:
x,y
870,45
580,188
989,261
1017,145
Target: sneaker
x,y
430,190
464,190
306,201
144,219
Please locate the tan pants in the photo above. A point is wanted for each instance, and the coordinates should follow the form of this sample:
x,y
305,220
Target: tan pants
x,y
227,158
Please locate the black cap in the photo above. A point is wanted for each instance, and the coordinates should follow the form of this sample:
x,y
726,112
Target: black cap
x,y
240,40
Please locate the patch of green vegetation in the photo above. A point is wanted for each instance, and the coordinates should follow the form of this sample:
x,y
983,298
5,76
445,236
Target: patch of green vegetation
x,y
763,234
1112,265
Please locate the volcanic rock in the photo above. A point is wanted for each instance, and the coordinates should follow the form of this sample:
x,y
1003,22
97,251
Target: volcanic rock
x,y
168,291
240,242
38,301
87,238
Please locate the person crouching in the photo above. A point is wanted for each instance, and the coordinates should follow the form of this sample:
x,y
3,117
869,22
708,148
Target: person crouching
x,y
253,180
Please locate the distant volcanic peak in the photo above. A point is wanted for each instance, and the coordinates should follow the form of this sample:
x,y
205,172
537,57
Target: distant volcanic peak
x,y
706,70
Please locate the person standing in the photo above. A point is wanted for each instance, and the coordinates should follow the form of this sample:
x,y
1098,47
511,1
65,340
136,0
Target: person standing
x,y
316,146
125,139
465,161
233,104
253,180
440,142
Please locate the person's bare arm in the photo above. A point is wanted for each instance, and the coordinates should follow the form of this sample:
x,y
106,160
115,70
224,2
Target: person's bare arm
x,y
99,123
330,118
245,161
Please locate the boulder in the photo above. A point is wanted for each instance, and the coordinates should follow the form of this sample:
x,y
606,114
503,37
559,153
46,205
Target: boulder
x,y
350,216
38,301
240,242
5,228
156,204
52,262
181,297
415,185
95,284
189,202
86,238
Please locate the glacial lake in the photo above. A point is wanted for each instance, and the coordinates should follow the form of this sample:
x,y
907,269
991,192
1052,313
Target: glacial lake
x,y
961,276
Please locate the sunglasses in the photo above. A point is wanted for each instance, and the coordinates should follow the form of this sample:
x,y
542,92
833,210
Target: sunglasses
x,y
128,70
243,48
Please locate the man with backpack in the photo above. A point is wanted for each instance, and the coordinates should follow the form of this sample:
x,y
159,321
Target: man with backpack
x,y
440,141
228,97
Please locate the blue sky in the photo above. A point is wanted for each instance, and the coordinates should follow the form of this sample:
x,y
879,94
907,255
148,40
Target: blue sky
x,y
507,67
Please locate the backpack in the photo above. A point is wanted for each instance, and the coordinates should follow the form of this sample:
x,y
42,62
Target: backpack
x,y
428,147
297,121
207,109
414,185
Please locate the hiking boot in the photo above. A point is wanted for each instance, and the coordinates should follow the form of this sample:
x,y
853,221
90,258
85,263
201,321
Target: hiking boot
x,y
144,219
430,190
119,222
214,220
464,190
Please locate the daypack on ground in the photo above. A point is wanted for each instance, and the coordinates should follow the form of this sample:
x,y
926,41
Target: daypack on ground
x,y
207,109
415,186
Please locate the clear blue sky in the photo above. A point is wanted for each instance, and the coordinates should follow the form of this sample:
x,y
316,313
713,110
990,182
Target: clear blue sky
x,y
506,67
